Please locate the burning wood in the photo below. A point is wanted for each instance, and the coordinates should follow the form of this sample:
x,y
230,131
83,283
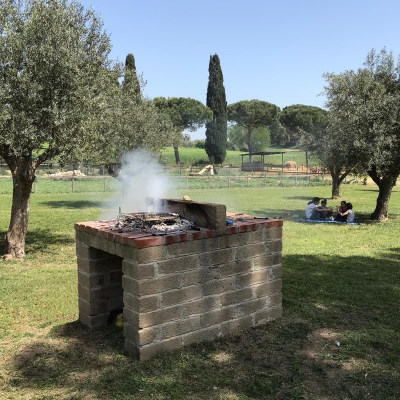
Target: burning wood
x,y
156,223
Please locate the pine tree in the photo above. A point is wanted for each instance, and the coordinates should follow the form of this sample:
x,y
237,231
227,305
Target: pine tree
x,y
131,80
216,130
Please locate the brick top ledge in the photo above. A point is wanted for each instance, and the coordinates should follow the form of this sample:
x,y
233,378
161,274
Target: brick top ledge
x,y
240,223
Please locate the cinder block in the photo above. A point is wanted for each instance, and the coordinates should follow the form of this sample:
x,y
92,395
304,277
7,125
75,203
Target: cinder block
x,y
142,303
218,286
261,317
235,267
236,296
91,280
177,264
251,306
273,233
268,288
201,275
179,296
159,285
141,337
154,253
149,351
216,257
202,335
91,309
180,327
274,246
138,271
233,325
252,278
250,250
201,305
159,316
217,316
93,322
255,237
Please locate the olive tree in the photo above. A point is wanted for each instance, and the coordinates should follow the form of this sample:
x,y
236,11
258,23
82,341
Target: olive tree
x,y
365,112
55,83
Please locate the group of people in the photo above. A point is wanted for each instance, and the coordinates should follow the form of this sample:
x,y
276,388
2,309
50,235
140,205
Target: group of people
x,y
315,211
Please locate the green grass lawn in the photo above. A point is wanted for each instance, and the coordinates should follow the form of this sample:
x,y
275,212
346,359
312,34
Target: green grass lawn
x,y
341,284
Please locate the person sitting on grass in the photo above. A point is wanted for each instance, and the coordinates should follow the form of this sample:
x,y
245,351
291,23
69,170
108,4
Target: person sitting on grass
x,y
322,212
341,209
311,205
348,214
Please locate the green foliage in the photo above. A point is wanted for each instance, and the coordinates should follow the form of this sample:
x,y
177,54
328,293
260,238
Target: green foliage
x,y
365,115
55,75
237,136
216,132
300,120
184,112
253,114
130,76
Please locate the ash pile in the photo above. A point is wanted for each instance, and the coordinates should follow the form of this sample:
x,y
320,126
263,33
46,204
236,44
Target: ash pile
x,y
154,223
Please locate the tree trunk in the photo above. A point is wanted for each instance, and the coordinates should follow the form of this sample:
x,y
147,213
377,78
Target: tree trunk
x,y
337,179
307,158
23,175
385,185
177,158
250,143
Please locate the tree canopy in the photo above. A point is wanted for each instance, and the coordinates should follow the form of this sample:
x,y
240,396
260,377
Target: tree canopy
x,y
253,114
56,80
216,129
237,138
365,113
300,119
185,114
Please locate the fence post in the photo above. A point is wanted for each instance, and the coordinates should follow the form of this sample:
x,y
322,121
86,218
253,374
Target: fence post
x,y
105,184
309,179
229,181
265,179
72,181
187,182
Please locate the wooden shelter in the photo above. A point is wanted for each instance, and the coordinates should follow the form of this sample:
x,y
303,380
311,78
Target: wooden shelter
x,y
258,165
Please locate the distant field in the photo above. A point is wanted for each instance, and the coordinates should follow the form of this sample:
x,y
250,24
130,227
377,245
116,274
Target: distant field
x,y
191,156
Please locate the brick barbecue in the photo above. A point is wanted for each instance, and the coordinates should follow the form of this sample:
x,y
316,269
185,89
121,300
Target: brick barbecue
x,y
182,287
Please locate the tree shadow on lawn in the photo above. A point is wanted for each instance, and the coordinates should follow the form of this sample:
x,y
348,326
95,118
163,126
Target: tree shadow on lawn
x,y
72,204
327,299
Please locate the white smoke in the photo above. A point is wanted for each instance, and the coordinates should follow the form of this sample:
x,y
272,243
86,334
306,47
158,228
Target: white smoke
x,y
141,177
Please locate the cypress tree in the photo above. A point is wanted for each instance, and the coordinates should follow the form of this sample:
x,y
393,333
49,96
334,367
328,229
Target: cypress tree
x,y
131,80
216,130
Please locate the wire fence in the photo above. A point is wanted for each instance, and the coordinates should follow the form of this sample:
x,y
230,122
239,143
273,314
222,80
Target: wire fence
x,y
109,184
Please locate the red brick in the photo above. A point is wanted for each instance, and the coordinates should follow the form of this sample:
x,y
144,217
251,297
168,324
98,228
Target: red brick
x,y
209,234
110,236
196,235
150,241
275,222
231,229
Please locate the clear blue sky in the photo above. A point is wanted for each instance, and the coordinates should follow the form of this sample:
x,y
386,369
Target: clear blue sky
x,y
269,50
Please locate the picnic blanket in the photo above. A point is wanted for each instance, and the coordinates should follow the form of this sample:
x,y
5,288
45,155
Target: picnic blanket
x,y
322,221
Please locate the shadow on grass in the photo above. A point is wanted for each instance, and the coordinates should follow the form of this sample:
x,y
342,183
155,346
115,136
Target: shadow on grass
x,y
327,299
72,204
43,240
